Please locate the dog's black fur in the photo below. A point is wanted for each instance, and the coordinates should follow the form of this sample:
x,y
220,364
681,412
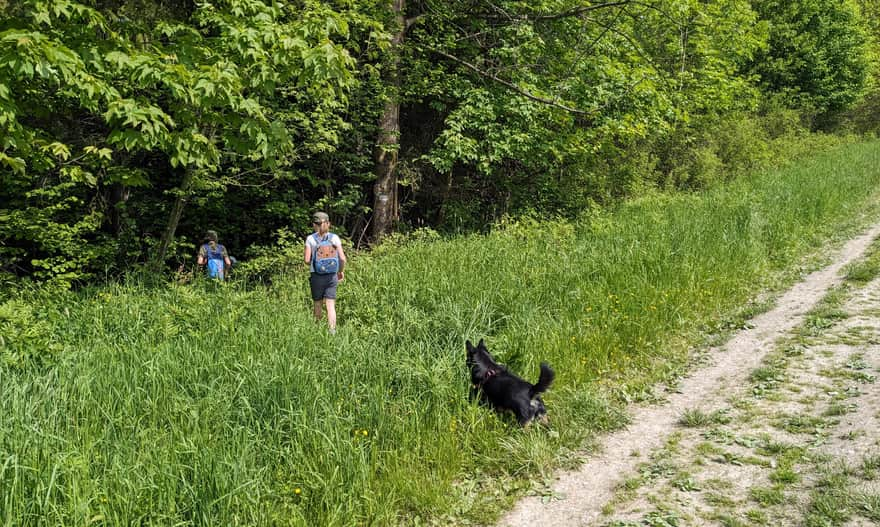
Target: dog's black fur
x,y
503,390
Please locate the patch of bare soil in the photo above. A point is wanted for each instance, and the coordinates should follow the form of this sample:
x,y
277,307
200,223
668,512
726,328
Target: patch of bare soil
x,y
780,429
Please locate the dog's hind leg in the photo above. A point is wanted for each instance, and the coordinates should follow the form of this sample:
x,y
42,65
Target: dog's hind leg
x,y
524,412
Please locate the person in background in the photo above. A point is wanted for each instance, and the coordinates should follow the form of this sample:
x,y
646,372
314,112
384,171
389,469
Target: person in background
x,y
214,257
326,259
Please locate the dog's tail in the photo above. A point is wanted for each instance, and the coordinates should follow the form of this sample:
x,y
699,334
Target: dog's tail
x,y
547,376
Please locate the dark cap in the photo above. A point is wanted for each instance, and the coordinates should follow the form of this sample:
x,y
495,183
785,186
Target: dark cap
x,y
211,236
320,216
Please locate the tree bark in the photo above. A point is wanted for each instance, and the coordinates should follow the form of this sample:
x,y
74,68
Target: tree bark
x,y
173,219
385,155
116,196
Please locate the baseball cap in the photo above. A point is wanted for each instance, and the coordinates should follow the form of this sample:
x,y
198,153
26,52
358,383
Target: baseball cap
x,y
320,216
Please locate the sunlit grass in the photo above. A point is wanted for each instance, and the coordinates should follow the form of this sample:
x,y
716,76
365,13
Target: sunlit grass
x,y
205,405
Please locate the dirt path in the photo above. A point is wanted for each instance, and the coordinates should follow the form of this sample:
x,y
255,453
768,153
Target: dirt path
x,y
753,438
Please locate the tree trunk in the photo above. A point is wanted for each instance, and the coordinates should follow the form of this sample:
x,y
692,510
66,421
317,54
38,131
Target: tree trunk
x,y
173,219
388,143
116,197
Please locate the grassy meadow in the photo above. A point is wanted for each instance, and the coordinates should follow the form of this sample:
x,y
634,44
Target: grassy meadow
x,y
219,404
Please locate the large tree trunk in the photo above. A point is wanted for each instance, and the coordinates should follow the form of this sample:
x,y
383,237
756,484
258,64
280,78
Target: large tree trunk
x,y
388,143
173,219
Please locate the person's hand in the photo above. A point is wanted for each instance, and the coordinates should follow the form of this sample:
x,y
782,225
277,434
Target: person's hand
x,y
340,275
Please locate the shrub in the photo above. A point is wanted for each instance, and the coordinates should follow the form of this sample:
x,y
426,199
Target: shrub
x,y
26,336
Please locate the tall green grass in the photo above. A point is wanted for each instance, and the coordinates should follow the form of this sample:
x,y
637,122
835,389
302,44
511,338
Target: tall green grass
x,y
212,404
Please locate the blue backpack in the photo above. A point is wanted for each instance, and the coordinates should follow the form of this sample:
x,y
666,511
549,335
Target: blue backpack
x,y
326,257
215,262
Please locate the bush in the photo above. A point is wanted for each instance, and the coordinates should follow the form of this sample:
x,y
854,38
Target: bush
x,y
26,336
703,156
262,262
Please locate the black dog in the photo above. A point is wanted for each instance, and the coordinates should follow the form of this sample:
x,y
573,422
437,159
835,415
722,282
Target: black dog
x,y
503,390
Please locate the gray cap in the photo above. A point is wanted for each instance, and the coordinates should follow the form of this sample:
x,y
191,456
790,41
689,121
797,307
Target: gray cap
x,y
320,216
211,236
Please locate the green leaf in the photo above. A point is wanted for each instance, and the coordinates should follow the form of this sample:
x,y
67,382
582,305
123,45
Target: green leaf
x,y
16,164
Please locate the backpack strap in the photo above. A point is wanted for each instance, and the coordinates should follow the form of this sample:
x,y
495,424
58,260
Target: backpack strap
x,y
314,252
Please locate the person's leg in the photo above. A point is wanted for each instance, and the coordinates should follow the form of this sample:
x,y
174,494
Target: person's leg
x,y
330,302
317,290
331,313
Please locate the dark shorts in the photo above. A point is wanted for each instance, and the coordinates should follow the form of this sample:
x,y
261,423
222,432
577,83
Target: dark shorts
x,y
323,286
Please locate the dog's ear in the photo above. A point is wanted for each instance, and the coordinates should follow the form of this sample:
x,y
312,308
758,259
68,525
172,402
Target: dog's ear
x,y
469,346
481,345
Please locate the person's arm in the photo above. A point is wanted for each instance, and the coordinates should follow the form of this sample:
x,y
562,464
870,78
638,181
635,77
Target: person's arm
x,y
228,267
307,255
202,259
342,260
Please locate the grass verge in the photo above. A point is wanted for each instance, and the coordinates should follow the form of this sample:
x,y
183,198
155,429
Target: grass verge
x,y
211,404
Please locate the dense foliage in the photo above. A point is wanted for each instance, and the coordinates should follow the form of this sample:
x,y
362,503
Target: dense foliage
x,y
816,58
128,128
109,117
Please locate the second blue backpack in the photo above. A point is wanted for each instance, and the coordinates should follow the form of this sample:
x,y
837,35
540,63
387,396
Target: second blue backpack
x,y
215,263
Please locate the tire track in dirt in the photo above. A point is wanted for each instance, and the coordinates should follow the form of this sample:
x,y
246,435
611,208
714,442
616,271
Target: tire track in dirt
x,y
588,489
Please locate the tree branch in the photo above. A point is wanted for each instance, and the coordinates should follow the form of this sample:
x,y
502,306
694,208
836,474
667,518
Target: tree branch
x,y
512,86
565,14
636,47
579,10
409,22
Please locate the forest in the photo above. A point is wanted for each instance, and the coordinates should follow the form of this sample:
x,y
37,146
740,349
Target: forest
x,y
130,127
